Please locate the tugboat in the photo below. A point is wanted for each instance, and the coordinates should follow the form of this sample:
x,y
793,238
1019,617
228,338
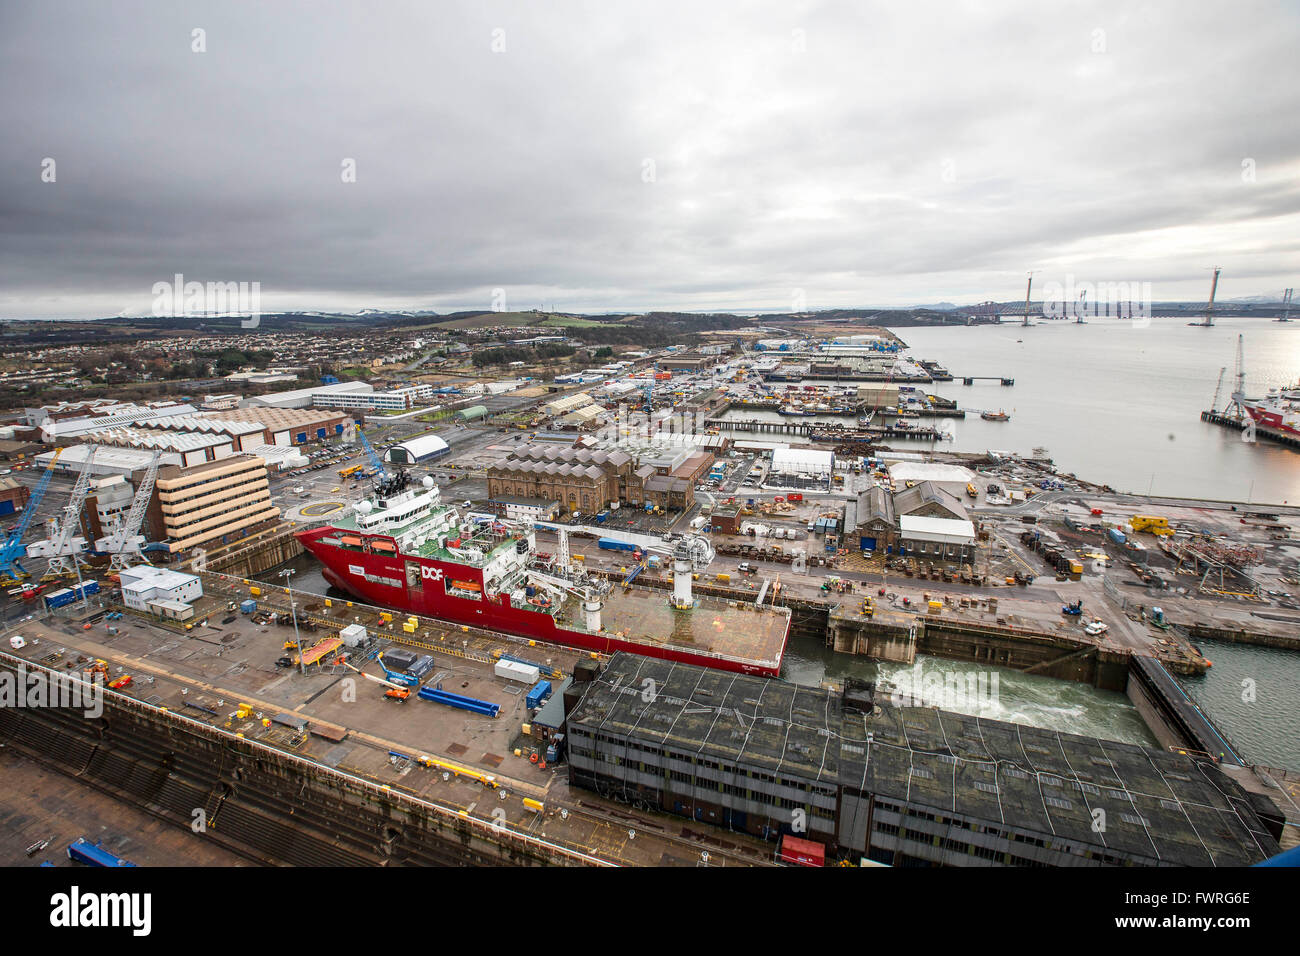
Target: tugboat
x,y
998,416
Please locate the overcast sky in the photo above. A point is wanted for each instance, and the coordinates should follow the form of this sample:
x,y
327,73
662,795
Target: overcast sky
x,y
625,156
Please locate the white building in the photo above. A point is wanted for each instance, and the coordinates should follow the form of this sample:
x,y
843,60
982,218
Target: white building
x,y
944,538
303,397
399,399
146,585
951,478
803,461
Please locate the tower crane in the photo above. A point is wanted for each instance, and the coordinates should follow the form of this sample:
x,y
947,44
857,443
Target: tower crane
x,y
12,549
64,546
125,540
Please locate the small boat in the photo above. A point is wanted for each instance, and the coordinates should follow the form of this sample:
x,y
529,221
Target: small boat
x,y
998,416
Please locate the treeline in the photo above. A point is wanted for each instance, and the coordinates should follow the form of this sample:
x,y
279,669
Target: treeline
x,y
529,356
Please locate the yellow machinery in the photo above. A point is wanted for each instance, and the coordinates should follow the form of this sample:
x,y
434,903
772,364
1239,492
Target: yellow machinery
x,y
1153,523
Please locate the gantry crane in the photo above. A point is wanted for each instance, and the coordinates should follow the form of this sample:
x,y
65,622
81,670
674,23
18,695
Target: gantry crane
x,y
63,547
12,549
125,540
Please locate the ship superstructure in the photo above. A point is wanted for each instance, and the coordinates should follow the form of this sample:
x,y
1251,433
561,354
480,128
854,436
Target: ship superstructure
x,y
406,549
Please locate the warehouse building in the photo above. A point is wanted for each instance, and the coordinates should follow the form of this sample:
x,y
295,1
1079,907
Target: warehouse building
x,y
145,585
57,430
417,450
210,504
524,509
901,785
108,460
939,538
13,496
397,399
304,397
288,426
929,500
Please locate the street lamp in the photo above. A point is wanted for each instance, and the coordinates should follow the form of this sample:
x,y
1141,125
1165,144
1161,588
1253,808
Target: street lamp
x,y
293,610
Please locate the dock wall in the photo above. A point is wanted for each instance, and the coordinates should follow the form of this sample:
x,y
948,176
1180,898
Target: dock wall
x,y
268,805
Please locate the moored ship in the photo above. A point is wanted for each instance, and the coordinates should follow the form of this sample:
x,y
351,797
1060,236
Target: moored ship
x,y
1277,411
405,549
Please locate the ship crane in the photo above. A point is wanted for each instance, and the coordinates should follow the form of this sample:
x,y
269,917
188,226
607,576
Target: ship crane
x,y
1218,389
125,541
690,554
375,461
589,594
64,546
12,550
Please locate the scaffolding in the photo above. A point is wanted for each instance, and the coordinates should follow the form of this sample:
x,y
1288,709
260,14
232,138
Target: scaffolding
x,y
1222,568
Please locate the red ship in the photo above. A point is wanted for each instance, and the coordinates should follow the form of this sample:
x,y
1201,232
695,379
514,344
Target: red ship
x,y
406,551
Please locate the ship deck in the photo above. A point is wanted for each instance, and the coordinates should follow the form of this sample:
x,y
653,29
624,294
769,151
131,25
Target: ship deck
x,y
731,628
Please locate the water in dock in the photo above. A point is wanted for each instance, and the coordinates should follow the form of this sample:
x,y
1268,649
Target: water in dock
x,y
1021,698
1264,727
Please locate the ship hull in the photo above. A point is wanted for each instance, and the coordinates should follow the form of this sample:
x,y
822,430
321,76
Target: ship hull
x,y
454,593
1272,418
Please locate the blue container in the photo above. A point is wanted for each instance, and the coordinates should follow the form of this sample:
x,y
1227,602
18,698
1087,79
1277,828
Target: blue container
x,y
247,607
538,694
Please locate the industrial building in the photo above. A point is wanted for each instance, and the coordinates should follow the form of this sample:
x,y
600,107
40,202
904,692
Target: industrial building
x,y
108,460
951,478
801,468
305,397
397,399
940,538
287,426
210,504
55,430
13,496
417,450
524,509
929,500
905,786
145,585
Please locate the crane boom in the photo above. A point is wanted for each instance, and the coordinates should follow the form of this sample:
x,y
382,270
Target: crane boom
x,y
61,546
376,462
125,539
12,549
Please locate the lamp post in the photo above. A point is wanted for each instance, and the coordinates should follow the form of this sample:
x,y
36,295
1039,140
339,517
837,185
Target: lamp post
x,y
293,610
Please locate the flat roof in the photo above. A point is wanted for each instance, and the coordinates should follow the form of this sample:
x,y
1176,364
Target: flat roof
x,y
948,530
1167,807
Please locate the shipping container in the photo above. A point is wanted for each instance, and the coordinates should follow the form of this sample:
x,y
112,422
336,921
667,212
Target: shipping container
x,y
247,607
613,544
513,670
802,852
538,694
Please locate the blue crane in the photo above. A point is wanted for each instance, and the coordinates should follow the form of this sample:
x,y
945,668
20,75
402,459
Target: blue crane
x,y
375,461
13,549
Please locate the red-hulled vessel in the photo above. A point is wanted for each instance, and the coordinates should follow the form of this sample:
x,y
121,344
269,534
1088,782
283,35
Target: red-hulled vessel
x,y
403,549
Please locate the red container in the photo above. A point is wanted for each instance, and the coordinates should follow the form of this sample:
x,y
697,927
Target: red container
x,y
802,852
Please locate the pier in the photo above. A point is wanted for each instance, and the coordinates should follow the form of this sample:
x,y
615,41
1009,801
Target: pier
x,y
1261,431
821,432
972,379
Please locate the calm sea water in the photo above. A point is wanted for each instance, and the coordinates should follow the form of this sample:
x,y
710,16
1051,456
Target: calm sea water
x,y
1119,404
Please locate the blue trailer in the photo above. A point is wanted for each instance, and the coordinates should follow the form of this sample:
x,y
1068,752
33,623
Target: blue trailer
x,y
92,854
613,544
1116,535
247,607
538,694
